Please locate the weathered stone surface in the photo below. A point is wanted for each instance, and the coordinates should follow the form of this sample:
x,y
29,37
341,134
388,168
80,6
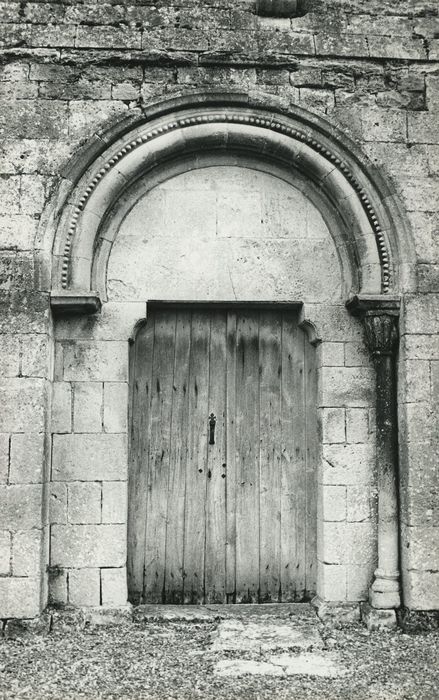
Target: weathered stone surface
x,y
325,665
114,587
333,506
87,407
349,543
5,552
357,425
61,407
27,462
82,546
4,457
333,425
89,457
19,597
261,636
20,506
96,361
114,502
84,502
22,405
84,587
27,553
348,464
115,407
347,386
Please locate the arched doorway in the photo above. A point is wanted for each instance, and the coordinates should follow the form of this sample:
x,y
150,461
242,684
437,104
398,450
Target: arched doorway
x,y
92,248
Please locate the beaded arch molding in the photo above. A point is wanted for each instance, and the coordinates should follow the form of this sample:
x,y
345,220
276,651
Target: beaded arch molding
x,y
271,124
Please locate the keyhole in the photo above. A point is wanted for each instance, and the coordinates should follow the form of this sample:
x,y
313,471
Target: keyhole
x,y
212,423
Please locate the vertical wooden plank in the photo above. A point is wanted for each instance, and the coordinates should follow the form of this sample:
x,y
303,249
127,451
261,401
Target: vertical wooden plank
x,y
140,383
159,442
312,449
177,461
215,542
231,459
293,487
194,526
247,455
270,438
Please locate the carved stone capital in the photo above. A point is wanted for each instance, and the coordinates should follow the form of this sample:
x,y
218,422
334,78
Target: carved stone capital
x,y
379,314
381,332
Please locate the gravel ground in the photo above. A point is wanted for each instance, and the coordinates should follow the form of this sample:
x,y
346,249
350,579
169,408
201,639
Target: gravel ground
x,y
161,660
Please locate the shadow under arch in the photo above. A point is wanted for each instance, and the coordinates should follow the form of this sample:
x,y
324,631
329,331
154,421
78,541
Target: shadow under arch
x,y
375,243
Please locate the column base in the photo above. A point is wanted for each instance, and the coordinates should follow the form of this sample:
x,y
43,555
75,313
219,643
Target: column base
x,y
384,591
378,619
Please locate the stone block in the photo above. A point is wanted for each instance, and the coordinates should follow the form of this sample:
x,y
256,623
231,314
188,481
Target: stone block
x,y
61,407
22,405
114,502
108,37
357,425
422,127
52,36
359,579
357,355
421,547
361,503
4,457
114,587
331,581
383,125
27,458
348,464
9,356
35,355
20,506
333,425
81,546
34,119
84,587
421,194
378,620
115,322
84,502
26,553
10,195
332,354
58,593
99,361
89,457
428,278
349,543
33,193
347,386
87,407
421,346
341,44
414,380
19,597
58,502
421,590
115,407
422,314
87,117
333,503
418,421
5,552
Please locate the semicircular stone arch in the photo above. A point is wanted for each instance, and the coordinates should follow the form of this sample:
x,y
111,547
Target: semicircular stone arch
x,y
297,148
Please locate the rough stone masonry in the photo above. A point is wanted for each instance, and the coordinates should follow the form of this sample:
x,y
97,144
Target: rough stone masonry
x,y
357,80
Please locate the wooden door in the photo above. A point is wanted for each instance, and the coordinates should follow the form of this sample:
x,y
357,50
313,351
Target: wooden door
x,y
229,515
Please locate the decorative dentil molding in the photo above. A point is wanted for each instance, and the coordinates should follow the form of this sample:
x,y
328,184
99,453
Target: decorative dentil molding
x,y
235,118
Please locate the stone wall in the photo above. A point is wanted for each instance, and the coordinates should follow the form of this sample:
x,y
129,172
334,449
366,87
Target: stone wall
x,y
68,70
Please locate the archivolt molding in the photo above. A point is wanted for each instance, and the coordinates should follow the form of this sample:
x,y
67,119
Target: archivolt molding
x,y
274,136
